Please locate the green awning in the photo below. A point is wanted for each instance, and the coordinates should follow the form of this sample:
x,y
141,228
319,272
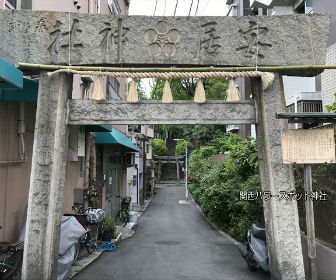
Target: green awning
x,y
27,93
115,138
10,77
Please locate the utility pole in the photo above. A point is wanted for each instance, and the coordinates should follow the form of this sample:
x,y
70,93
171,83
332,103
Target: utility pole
x,y
186,171
311,242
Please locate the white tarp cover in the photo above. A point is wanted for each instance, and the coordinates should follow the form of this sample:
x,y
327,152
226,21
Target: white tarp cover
x,y
71,231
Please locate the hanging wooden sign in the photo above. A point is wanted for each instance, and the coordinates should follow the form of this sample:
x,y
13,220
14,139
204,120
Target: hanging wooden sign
x,y
308,146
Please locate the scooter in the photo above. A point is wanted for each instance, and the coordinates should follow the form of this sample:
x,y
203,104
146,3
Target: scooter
x,y
256,254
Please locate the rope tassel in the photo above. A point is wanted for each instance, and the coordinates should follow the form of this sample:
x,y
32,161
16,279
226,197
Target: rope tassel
x,y
167,96
97,93
132,92
199,92
232,93
266,79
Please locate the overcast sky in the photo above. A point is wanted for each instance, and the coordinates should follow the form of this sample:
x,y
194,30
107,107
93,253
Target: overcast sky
x,y
147,7
205,7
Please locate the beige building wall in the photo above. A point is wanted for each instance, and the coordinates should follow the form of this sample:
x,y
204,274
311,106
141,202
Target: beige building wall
x,y
328,79
61,6
81,7
15,174
73,180
14,177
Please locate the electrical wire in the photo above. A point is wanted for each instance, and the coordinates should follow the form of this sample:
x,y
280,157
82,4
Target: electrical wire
x,y
192,1
176,7
197,7
155,7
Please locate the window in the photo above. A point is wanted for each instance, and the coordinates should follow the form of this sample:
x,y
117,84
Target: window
x,y
19,4
300,9
134,128
114,7
309,6
147,150
26,4
113,88
81,166
12,4
233,10
130,159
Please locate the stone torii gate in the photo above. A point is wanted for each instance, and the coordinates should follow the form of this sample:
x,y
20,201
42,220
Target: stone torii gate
x,y
82,39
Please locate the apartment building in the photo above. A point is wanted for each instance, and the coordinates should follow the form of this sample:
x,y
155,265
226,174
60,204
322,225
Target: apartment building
x,y
106,146
306,94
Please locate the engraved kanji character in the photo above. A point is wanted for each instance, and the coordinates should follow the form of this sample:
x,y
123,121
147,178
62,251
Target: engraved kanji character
x,y
209,39
253,45
70,37
111,36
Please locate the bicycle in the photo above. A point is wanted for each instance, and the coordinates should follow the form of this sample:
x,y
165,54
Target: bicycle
x,y
122,217
11,255
90,220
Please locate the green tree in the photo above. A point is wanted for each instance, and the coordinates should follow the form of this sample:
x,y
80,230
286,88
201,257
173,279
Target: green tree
x,y
139,88
332,107
180,147
200,135
184,89
217,188
159,147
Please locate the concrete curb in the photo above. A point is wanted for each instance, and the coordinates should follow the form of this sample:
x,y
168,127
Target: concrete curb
x,y
144,208
230,238
83,263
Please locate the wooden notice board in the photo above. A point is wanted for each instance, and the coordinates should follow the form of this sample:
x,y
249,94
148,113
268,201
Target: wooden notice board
x,y
308,146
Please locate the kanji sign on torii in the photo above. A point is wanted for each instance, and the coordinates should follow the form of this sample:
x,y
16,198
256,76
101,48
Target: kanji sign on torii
x,y
82,39
45,38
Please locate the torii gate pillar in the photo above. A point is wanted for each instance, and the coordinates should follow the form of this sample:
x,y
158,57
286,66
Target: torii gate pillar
x,y
281,216
45,203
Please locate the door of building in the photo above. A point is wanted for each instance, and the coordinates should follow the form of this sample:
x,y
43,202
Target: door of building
x,y
112,190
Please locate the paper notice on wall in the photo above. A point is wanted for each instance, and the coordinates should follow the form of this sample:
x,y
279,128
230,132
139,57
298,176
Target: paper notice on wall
x,y
308,146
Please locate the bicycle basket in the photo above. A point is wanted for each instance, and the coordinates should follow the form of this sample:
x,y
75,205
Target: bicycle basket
x,y
95,215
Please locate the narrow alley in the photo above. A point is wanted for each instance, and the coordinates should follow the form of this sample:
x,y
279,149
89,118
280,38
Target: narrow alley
x,y
172,241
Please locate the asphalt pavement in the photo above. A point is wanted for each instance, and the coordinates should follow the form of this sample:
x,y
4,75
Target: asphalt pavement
x,y
172,241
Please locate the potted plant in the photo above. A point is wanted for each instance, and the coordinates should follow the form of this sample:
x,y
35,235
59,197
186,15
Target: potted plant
x,y
107,229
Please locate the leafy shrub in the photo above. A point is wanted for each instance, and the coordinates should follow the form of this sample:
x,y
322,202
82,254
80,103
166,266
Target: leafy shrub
x,y
107,225
217,188
159,147
225,144
332,107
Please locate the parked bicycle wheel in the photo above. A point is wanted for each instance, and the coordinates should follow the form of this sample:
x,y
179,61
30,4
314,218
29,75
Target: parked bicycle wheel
x,y
122,218
126,218
78,247
10,268
92,238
